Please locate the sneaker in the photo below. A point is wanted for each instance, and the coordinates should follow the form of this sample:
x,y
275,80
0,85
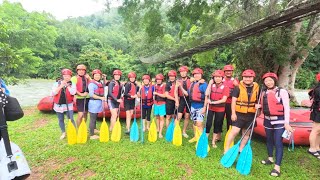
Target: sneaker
x,y
127,132
63,135
94,137
160,136
194,139
96,131
185,135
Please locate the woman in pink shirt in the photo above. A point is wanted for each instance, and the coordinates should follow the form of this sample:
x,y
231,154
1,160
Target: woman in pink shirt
x,y
276,110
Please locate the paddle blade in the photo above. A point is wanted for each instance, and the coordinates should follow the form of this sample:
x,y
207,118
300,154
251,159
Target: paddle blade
x,y
202,145
177,135
104,131
245,160
116,132
141,131
152,136
134,131
197,133
230,156
169,132
82,133
225,139
71,133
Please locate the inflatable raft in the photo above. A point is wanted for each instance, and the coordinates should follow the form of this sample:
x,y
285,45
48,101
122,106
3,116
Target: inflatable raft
x,y
299,120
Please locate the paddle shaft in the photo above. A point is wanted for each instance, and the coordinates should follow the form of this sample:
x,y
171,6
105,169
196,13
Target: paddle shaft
x,y
185,99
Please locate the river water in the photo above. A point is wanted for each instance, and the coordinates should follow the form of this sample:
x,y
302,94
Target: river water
x,y
30,93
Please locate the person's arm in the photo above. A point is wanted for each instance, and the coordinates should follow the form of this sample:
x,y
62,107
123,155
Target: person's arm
x,y
72,89
235,95
57,88
225,96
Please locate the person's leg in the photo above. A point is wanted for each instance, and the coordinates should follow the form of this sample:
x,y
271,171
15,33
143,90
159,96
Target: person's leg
x,y
80,108
148,118
314,137
270,140
61,122
185,124
93,120
228,115
278,131
245,138
209,122
70,116
161,126
217,127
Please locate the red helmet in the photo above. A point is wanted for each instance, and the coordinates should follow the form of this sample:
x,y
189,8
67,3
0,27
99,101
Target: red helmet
x,y
218,73
248,73
183,68
117,72
132,75
228,67
81,67
96,71
269,74
318,77
146,76
197,71
159,77
172,73
66,72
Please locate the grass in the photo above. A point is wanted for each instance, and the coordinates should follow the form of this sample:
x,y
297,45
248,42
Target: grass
x,y
50,158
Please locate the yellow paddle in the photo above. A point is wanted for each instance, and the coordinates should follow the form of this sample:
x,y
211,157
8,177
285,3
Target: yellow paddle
x,y
82,130
226,137
152,136
104,129
177,135
116,131
71,129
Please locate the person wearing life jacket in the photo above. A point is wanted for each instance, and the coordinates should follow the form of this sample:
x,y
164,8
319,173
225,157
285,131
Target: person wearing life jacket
x,y
130,95
96,93
231,82
114,96
216,96
159,102
170,95
243,107
197,98
182,99
63,92
81,80
314,137
275,104
146,97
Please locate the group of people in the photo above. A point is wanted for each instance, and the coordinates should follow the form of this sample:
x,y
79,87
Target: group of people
x,y
223,97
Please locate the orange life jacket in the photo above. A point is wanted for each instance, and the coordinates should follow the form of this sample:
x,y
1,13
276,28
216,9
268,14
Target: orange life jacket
x,y
243,104
270,104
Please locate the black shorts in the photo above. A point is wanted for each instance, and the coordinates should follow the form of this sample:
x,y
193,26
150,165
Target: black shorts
x,y
146,113
113,104
170,107
244,120
129,104
315,116
81,105
183,105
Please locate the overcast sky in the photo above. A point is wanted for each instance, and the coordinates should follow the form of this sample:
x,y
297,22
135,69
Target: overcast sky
x,y
63,9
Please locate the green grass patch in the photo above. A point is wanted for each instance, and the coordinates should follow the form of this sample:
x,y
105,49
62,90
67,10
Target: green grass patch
x,y
49,158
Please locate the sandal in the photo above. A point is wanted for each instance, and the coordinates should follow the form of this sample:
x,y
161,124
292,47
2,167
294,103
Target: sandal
x,y
266,162
314,154
275,173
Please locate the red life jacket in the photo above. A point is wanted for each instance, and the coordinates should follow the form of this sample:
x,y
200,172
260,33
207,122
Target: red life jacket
x,y
217,94
229,83
133,90
147,99
270,104
195,94
172,88
185,85
116,91
161,90
62,95
82,87
99,91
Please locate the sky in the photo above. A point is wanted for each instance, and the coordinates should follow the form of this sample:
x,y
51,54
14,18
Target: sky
x,y
62,9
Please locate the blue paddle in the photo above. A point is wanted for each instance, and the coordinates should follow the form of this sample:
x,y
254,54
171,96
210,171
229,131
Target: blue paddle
x,y
134,131
231,155
169,132
202,147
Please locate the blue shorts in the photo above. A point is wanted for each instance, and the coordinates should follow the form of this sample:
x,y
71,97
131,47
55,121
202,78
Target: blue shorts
x,y
160,110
